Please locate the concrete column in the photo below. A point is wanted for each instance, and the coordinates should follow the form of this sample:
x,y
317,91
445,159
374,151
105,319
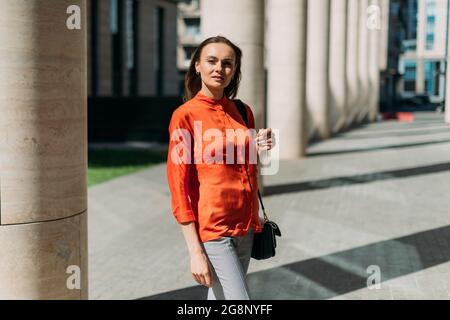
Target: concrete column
x,y
364,90
170,48
146,73
420,76
338,56
286,45
352,58
89,8
43,151
374,28
126,10
317,90
242,22
447,78
104,48
384,34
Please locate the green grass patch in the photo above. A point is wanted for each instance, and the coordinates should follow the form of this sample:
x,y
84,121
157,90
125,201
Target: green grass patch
x,y
104,165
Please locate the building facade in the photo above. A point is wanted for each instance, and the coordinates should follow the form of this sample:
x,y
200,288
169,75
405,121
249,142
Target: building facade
x,y
189,36
132,48
422,64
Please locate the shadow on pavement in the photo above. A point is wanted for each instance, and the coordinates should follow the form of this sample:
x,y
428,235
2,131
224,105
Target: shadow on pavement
x,y
417,124
342,272
356,179
397,146
389,135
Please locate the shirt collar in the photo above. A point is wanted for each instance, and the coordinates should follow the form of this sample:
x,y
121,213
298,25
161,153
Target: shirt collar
x,y
211,101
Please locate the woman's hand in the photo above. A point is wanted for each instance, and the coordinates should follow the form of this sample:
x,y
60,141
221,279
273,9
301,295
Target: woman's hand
x,y
200,269
265,139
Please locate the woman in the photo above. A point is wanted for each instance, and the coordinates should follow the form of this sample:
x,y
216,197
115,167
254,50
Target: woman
x,y
215,202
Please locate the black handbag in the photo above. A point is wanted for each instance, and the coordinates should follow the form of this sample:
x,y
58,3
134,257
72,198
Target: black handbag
x,y
265,242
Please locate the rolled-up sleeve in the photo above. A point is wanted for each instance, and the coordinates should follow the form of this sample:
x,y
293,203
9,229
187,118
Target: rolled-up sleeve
x,y
179,159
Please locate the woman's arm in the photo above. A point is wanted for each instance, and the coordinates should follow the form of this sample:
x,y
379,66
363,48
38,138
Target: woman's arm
x,y
200,268
178,170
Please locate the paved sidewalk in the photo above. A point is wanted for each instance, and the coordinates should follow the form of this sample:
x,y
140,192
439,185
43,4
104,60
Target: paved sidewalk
x,y
375,196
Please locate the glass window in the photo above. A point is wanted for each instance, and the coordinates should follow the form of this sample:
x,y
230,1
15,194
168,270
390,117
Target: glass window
x,y
430,41
430,9
409,86
189,52
409,76
192,26
410,70
429,76
114,20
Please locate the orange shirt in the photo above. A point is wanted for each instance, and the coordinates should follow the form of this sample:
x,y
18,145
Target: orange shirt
x,y
221,198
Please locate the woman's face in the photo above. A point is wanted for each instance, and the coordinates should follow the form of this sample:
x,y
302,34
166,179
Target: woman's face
x,y
216,65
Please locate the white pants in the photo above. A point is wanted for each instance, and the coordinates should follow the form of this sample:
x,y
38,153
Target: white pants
x,y
229,257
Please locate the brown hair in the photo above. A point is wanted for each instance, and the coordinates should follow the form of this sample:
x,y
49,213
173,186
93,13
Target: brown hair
x,y
193,82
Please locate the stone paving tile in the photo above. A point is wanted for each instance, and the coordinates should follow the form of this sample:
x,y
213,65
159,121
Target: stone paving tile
x,y
378,203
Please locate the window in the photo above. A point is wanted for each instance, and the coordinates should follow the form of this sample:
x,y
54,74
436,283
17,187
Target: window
x,y
409,77
192,26
189,52
430,10
432,77
409,86
429,76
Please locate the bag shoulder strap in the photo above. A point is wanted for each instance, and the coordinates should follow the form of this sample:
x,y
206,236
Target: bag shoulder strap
x,y
243,111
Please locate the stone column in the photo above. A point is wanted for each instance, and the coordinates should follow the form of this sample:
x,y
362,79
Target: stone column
x,y
338,55
286,45
374,29
352,58
43,150
384,34
317,89
126,10
242,22
420,75
364,90
146,74
447,78
104,49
